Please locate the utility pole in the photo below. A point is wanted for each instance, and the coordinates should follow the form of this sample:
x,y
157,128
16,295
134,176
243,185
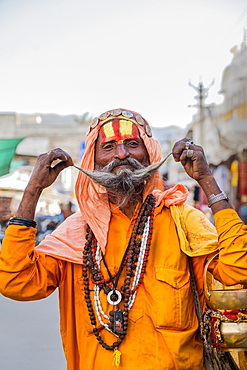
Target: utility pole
x,y
202,94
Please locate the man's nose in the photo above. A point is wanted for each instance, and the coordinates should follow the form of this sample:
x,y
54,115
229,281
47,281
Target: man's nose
x,y
121,151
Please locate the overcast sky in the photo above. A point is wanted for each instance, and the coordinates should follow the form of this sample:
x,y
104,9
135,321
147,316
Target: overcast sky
x,y
74,56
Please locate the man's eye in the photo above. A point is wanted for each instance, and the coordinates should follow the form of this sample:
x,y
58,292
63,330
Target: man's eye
x,y
132,143
108,146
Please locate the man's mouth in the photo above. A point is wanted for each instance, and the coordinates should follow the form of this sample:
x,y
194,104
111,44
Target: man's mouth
x,y
122,167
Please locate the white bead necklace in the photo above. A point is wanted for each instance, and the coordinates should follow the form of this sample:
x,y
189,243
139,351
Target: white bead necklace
x,y
139,264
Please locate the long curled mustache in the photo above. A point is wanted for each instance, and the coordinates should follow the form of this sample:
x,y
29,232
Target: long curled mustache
x,y
126,185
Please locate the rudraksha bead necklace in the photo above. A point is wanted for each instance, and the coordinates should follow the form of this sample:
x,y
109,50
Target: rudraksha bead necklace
x,y
135,259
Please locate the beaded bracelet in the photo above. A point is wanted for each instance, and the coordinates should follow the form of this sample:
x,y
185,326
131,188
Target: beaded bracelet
x,y
22,222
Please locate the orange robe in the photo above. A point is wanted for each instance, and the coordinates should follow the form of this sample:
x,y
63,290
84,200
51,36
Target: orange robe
x,y
162,331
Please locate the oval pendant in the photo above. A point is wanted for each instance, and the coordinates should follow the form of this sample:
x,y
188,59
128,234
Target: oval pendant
x,y
115,302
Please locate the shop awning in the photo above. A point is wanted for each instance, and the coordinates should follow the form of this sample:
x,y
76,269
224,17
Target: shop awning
x,y
7,152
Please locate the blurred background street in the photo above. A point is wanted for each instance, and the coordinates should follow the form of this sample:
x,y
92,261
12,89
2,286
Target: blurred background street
x,y
29,335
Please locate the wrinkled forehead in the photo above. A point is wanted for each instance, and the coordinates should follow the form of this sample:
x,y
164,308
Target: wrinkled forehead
x,y
118,130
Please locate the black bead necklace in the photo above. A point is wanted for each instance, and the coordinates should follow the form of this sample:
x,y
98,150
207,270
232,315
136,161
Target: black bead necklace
x,y
135,259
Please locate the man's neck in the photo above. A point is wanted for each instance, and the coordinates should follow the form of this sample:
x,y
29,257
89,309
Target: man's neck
x,y
128,209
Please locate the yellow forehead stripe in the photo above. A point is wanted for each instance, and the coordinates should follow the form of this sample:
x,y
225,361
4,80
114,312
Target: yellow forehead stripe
x,y
108,130
125,127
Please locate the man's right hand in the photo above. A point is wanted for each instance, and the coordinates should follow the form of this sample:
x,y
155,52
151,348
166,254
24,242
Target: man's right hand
x,y
43,175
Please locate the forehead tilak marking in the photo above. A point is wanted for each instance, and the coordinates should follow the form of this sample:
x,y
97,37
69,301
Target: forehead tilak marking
x,y
108,130
127,128
118,130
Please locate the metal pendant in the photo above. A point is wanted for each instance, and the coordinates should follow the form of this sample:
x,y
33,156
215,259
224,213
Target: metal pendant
x,y
116,112
127,114
104,115
114,297
140,120
94,122
118,322
148,130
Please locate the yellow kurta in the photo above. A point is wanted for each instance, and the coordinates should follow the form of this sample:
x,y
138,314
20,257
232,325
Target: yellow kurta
x,y
162,330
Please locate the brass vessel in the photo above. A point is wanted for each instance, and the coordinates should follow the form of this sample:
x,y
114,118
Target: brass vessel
x,y
225,299
234,334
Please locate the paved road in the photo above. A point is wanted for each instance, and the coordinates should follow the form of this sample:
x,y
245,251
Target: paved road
x,y
29,335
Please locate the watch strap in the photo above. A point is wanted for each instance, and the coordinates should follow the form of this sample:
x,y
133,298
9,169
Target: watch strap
x,y
216,198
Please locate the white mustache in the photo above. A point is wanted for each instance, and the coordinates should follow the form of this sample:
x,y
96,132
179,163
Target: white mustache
x,y
126,185
125,179
128,161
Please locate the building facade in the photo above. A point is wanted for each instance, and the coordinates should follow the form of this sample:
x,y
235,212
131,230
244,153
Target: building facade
x,y
222,129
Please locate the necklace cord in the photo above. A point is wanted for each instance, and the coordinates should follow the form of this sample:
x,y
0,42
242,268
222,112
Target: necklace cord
x,y
119,270
124,256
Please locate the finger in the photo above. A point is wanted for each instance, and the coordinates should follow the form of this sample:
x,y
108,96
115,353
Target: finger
x,y
180,149
184,159
61,155
59,167
57,154
185,150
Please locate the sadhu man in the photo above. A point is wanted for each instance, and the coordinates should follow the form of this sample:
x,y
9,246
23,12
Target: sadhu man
x,y
121,261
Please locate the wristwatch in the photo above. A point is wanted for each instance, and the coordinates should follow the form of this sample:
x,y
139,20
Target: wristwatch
x,y
216,198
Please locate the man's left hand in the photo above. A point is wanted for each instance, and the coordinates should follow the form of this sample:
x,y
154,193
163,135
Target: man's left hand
x,y
192,158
